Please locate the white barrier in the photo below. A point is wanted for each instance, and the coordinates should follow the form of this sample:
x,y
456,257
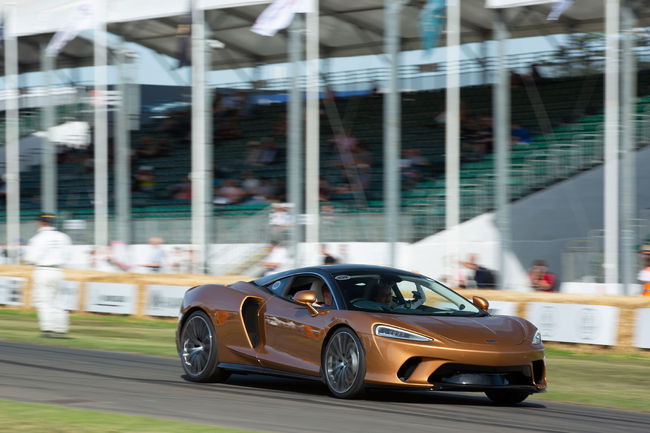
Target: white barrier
x,y
12,290
164,300
642,328
575,323
503,308
113,298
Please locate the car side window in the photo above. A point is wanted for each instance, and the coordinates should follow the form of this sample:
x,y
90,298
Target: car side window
x,y
277,287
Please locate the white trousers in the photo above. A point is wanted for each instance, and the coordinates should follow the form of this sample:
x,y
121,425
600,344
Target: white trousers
x,y
48,299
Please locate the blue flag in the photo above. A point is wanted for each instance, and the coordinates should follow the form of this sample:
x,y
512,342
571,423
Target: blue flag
x,y
430,23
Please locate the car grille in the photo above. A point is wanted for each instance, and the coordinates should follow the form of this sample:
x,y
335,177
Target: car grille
x,y
462,375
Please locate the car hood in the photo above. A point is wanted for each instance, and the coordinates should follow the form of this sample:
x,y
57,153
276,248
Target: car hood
x,y
473,330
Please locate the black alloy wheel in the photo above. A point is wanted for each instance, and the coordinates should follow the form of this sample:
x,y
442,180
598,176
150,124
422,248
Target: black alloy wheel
x,y
199,350
344,364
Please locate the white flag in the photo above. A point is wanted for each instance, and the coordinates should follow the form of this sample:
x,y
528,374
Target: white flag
x,y
498,4
279,14
81,19
558,9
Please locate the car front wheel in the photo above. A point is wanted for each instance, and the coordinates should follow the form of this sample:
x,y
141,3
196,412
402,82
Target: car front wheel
x,y
502,396
344,364
199,350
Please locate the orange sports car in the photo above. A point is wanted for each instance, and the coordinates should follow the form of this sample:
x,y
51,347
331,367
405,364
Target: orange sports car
x,y
357,326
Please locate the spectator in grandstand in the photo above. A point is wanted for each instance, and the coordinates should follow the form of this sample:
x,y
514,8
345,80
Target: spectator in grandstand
x,y
520,135
280,127
253,153
270,152
277,259
483,277
181,190
177,124
156,254
483,142
324,189
230,192
151,147
227,129
144,179
540,278
414,166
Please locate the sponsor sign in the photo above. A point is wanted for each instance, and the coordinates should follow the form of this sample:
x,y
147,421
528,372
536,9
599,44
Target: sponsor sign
x,y
12,290
502,308
642,329
164,300
69,293
113,298
575,323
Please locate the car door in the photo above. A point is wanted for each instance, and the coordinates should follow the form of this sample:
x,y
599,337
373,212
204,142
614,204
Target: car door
x,y
294,334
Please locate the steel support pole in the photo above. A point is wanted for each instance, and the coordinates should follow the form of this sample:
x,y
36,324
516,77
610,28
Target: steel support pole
x,y
295,154
501,125
392,126
611,200
122,153
48,149
312,157
452,136
101,126
628,175
200,152
12,161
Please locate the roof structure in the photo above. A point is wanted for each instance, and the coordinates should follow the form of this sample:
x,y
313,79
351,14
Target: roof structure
x,y
347,28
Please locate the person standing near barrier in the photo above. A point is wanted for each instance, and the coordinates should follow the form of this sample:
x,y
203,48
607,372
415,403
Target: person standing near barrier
x,y
49,251
644,274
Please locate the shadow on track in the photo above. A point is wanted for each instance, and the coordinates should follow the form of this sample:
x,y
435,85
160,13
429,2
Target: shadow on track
x,y
386,395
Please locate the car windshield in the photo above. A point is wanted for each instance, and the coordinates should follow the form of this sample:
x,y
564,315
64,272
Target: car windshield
x,y
401,294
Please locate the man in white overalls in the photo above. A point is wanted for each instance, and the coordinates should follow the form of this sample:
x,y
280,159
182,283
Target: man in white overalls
x,y
48,250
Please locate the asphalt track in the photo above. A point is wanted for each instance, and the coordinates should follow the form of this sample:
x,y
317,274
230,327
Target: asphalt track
x,y
153,386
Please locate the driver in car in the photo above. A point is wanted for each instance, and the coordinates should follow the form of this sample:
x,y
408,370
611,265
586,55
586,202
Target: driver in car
x,y
383,295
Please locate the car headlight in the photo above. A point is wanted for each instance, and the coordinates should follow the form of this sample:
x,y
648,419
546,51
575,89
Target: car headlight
x,y
400,334
537,338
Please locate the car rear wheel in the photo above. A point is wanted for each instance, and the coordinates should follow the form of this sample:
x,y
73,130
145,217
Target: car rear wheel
x,y
199,350
502,396
344,364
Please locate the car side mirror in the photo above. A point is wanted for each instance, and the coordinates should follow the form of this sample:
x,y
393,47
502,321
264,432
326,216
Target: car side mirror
x,y
306,298
482,303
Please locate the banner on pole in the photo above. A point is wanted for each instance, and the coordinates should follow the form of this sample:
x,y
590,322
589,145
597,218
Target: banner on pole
x,y
430,22
279,15
82,18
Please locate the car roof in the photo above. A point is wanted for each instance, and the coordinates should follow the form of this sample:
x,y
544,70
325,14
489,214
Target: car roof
x,y
331,269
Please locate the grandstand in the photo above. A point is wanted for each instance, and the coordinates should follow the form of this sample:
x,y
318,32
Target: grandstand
x,y
573,145
563,116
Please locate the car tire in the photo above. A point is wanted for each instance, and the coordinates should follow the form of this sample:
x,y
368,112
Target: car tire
x,y
199,350
507,397
343,364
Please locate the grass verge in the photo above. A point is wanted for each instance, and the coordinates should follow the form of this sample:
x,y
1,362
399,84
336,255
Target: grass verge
x,y
19,417
619,381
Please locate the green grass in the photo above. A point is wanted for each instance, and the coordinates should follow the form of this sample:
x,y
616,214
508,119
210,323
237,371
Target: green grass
x,y
116,333
618,381
18,417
